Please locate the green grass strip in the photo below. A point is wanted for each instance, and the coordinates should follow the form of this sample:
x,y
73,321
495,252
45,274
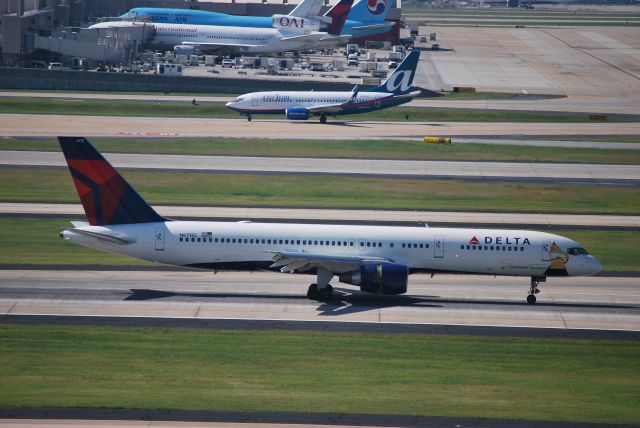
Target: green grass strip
x,y
283,371
326,191
218,110
372,149
36,241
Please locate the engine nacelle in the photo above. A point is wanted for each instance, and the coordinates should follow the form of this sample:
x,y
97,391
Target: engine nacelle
x,y
295,23
297,113
379,278
186,50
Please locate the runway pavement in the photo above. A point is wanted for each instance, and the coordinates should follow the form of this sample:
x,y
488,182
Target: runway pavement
x,y
601,173
565,303
31,125
522,102
355,216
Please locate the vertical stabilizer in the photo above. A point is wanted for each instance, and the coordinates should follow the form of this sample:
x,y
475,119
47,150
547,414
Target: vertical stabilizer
x,y
106,196
401,80
370,11
307,9
338,14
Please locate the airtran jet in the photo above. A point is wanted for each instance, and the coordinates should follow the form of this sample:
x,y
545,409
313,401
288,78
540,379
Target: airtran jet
x,y
366,17
301,105
377,259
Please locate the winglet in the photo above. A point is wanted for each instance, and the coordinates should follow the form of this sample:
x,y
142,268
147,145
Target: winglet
x,y
106,196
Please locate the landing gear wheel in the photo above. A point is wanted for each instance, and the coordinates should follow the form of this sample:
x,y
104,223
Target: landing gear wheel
x,y
323,119
326,293
312,292
531,299
249,118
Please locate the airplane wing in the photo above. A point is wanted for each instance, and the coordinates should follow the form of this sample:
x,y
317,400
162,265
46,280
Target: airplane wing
x,y
311,37
333,108
299,261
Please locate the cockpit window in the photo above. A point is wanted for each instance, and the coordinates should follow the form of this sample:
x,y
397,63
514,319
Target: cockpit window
x,y
239,99
577,251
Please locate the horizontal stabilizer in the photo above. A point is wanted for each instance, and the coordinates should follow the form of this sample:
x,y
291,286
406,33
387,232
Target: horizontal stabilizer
x,y
108,236
373,27
412,94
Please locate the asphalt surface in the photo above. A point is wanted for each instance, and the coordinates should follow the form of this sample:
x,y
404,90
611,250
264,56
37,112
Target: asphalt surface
x,y
489,303
519,102
34,125
626,222
546,172
134,418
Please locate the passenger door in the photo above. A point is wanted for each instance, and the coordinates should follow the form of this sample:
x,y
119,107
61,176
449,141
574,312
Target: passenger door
x,y
159,238
438,246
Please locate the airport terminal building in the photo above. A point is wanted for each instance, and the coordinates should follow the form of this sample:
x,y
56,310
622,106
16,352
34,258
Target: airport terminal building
x,y
43,29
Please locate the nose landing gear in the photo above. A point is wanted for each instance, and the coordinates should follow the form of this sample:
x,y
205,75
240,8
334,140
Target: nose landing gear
x,y
533,290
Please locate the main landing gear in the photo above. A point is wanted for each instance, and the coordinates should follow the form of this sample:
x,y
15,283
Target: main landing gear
x,y
315,293
533,290
322,290
323,119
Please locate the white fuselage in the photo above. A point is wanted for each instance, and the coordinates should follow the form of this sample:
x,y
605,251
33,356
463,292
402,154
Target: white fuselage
x,y
280,101
213,37
250,246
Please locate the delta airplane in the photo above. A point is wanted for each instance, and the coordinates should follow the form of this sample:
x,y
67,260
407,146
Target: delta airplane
x,y
187,38
378,259
366,18
301,105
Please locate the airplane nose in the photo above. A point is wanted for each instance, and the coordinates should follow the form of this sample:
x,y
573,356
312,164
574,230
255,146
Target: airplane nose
x,y
229,104
593,265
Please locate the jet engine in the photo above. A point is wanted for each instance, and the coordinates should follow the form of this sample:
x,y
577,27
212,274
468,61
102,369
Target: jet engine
x,y
186,50
297,113
295,23
379,278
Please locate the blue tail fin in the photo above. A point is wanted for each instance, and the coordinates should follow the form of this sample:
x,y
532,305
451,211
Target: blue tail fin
x,y
338,14
370,10
401,80
107,198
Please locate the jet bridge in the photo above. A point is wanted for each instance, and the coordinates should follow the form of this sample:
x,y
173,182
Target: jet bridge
x,y
115,45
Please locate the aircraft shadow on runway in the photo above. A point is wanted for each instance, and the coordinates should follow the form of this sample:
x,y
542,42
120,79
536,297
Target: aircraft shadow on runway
x,y
345,301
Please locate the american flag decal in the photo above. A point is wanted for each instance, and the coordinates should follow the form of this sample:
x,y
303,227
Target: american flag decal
x,y
206,234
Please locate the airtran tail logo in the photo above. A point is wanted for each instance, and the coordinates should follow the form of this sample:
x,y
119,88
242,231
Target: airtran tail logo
x,y
399,80
376,7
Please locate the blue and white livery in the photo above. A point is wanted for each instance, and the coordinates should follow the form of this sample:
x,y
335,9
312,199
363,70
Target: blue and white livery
x,y
366,18
301,105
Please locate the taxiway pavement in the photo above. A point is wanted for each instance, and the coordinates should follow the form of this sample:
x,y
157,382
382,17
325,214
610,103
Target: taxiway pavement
x,y
576,103
565,303
33,125
355,216
359,167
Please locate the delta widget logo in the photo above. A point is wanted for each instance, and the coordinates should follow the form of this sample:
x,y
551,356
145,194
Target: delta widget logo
x,y
376,7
